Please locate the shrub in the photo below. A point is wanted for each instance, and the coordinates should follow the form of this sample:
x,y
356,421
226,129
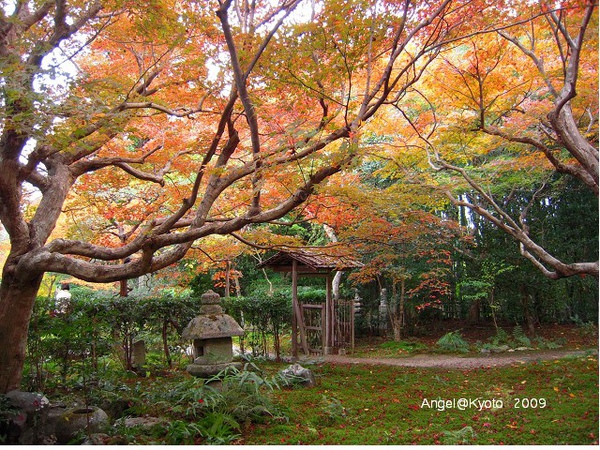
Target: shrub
x,y
7,413
453,342
78,344
219,428
332,409
520,337
543,343
242,395
311,295
262,317
586,329
501,338
182,433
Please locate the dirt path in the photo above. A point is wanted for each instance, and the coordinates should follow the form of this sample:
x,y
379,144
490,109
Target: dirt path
x,y
461,362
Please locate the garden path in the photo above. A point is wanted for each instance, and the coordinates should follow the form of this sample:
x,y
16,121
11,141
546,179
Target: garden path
x,y
461,362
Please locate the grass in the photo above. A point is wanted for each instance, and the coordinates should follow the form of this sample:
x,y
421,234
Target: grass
x,y
389,405
390,349
363,404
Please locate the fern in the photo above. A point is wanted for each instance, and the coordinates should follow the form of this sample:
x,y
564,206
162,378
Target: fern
x,y
520,337
219,428
242,395
463,436
501,338
546,344
453,342
333,408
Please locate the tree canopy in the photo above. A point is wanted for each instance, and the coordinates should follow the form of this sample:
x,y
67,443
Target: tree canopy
x,y
132,132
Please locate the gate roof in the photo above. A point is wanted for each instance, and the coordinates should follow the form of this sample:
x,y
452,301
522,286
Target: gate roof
x,y
310,261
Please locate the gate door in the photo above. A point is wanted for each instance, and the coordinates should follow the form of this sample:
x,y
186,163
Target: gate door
x,y
343,325
314,325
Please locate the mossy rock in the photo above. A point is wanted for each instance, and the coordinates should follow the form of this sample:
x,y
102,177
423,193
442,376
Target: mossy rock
x,y
77,421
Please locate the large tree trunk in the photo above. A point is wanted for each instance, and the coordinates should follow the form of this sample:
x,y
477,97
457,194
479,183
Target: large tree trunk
x,y
396,311
474,312
165,330
337,279
17,299
527,314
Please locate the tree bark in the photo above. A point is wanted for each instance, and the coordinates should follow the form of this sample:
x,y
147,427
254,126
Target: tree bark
x,y
527,314
165,329
550,266
63,153
474,312
337,279
17,298
397,313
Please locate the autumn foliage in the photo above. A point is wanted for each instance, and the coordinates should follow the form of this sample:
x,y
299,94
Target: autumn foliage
x,y
135,134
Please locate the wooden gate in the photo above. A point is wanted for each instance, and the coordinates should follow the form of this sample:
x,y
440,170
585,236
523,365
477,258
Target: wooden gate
x,y
313,326
313,321
343,325
329,327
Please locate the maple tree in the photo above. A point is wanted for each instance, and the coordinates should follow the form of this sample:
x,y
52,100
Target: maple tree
x,y
411,257
400,242
562,214
518,105
405,246
162,123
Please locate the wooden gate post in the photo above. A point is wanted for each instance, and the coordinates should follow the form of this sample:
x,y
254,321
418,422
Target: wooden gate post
x,y
328,348
294,312
299,319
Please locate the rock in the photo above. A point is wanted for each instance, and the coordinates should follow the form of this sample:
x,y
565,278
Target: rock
x,y
211,309
212,326
138,358
211,303
500,349
296,374
27,402
25,422
115,408
210,370
96,439
54,415
144,422
73,421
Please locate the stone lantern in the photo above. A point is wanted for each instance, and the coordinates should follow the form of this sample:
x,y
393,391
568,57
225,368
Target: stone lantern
x,y
211,334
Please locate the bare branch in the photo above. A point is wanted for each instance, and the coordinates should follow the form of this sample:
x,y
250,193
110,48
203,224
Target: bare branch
x,y
528,247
